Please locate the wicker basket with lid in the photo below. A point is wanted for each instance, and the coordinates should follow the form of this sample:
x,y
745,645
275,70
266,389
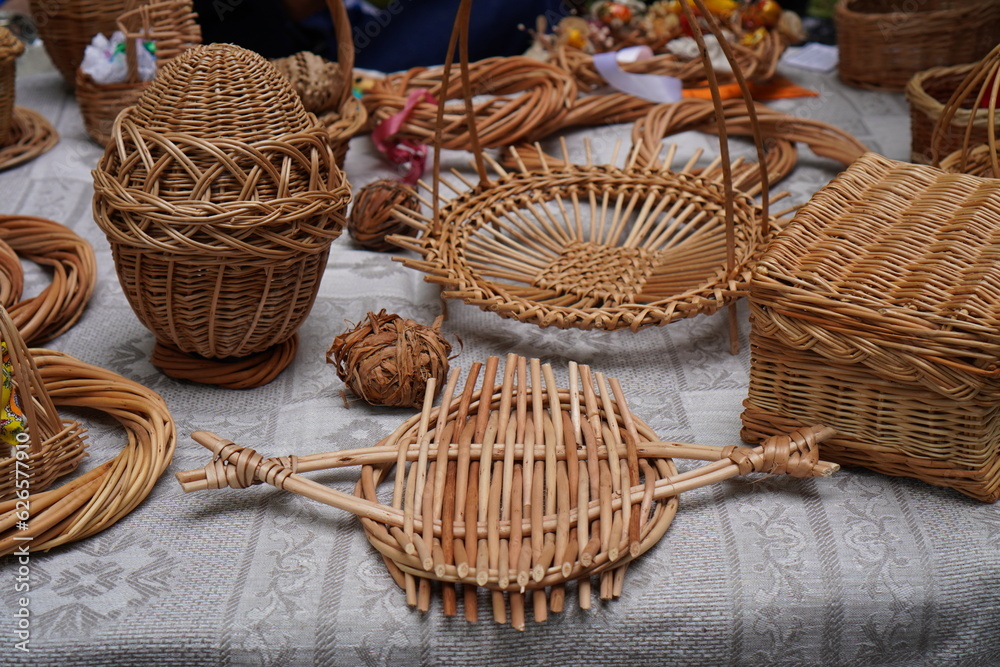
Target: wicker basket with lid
x,y
220,196
876,312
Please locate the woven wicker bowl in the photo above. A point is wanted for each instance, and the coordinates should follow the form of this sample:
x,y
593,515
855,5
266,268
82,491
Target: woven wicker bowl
x,y
590,247
67,26
220,197
885,42
172,25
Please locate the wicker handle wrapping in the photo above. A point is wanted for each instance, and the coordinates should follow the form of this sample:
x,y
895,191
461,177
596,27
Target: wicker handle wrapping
x,y
345,48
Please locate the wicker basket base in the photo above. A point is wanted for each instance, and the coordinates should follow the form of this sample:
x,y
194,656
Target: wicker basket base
x,y
244,373
30,136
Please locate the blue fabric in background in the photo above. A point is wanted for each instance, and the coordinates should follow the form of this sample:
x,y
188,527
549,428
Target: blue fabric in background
x,y
403,34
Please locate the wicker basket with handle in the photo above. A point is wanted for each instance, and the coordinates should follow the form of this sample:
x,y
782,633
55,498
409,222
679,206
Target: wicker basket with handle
x,y
171,25
220,196
67,26
883,43
972,107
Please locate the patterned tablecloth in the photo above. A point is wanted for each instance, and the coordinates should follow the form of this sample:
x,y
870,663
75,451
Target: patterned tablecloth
x,y
855,569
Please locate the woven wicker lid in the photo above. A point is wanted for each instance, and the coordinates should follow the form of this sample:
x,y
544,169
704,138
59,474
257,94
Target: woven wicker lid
x,y
10,46
221,90
891,250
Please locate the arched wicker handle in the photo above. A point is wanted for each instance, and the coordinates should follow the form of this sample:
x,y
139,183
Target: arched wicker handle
x,y
345,48
983,80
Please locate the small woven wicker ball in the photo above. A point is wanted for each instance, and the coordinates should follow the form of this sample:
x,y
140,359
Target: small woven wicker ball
x,y
387,360
372,217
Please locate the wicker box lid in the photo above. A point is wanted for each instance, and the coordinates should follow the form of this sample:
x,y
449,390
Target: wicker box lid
x,y
894,266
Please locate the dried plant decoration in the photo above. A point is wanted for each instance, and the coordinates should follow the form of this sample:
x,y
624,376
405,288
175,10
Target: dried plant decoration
x,y
373,218
388,360
517,487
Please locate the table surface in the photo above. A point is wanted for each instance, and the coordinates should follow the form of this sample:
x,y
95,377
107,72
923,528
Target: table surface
x,y
854,569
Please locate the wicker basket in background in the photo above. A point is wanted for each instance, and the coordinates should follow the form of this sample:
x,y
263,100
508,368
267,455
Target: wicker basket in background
x,y
221,246
67,26
54,447
10,48
977,152
927,93
876,312
883,43
172,26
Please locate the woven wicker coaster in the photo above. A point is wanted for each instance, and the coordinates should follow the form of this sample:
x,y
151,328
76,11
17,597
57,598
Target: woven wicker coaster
x,y
31,135
242,373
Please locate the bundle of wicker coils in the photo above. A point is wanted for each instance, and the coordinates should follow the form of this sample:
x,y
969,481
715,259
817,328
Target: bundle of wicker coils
x,y
220,197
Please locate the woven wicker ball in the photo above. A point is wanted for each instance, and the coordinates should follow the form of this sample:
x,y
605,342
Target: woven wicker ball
x,y
387,359
373,217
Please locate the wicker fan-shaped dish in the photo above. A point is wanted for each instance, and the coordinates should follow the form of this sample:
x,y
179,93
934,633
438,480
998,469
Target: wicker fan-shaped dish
x,y
517,487
589,246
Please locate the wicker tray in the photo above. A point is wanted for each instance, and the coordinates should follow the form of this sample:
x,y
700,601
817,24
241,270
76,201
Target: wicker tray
x,y
559,484
883,43
876,312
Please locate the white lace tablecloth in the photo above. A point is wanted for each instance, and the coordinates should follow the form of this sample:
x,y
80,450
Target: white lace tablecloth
x,y
858,569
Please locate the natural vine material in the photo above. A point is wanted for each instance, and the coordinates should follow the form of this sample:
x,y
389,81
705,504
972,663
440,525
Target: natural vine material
x,y
372,218
99,497
388,360
74,273
777,129
524,96
517,487
53,448
220,197
876,311
883,43
30,136
11,276
171,25
972,105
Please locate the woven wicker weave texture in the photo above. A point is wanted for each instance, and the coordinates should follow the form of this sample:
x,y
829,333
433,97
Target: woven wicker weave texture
x,y
883,43
977,151
515,487
877,312
220,215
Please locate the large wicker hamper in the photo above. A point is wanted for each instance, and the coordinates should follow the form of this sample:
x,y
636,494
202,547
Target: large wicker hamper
x,y
877,312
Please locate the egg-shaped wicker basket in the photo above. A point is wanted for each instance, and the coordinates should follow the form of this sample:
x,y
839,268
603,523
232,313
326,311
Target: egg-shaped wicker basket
x,y
220,197
596,246
171,25
36,446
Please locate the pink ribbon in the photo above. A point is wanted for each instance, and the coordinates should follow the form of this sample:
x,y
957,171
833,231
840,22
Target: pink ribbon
x,y
403,151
